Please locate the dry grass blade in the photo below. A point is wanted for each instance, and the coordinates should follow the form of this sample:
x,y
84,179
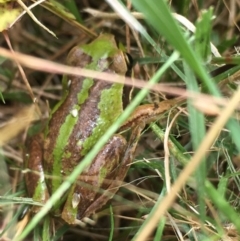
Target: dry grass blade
x,y
17,124
21,3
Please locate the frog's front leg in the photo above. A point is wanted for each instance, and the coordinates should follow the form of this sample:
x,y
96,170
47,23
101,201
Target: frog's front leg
x,y
34,176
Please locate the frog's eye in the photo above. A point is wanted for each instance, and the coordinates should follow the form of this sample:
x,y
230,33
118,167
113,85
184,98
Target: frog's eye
x,y
129,60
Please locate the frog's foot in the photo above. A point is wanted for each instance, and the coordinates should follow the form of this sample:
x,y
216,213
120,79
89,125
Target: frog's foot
x,y
85,221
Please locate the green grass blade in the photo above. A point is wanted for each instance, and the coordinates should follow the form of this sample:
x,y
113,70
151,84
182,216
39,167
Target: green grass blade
x,y
158,15
221,203
197,130
202,34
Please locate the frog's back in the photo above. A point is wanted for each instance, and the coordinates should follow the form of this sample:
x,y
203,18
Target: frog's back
x,y
88,109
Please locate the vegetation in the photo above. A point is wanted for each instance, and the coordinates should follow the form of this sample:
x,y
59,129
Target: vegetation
x,y
183,183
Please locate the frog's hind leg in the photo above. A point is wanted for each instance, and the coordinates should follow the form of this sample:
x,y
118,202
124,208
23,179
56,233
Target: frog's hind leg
x,y
120,171
96,185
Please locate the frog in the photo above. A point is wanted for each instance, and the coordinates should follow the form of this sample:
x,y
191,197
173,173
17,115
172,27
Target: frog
x,y
86,110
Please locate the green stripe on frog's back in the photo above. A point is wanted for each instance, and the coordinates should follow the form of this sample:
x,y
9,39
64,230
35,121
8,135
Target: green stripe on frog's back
x,y
110,107
110,104
66,131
